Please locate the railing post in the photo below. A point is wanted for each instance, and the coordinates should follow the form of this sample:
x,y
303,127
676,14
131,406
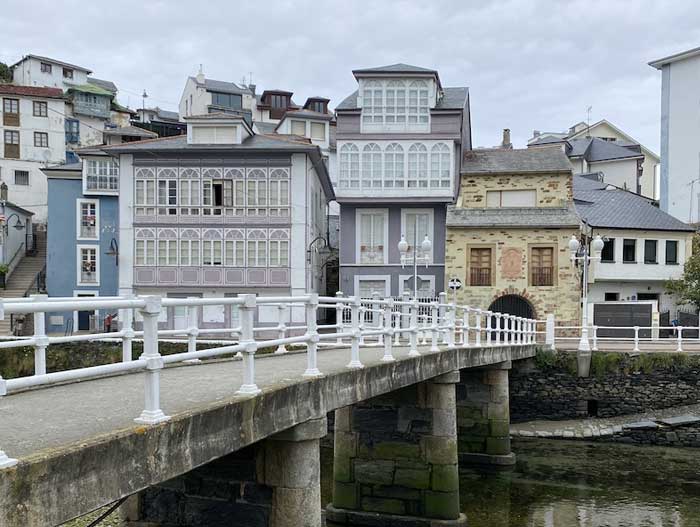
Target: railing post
x,y
127,319
281,328
312,337
5,461
356,334
247,310
442,313
41,341
489,332
549,330
388,330
152,414
434,333
519,334
497,338
339,309
397,326
465,327
636,338
377,316
361,321
595,339
533,328
477,328
680,338
405,318
450,315
192,328
413,335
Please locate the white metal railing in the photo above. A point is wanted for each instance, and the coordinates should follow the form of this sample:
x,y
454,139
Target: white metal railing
x,y
384,322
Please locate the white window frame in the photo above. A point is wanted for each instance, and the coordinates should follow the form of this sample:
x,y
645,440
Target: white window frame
x,y
187,244
372,166
110,176
167,243
322,124
79,253
502,192
431,228
274,251
358,225
437,181
208,246
349,169
403,278
79,219
145,205
374,277
146,243
167,208
293,122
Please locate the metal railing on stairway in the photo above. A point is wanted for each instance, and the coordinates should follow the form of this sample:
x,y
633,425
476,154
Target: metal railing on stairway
x,y
393,322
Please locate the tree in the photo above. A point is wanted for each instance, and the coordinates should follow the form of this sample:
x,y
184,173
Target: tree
x,y
5,73
688,286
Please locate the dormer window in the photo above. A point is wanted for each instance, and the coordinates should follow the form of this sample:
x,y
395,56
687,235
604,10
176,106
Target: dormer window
x,y
279,101
299,128
318,131
217,129
214,135
396,105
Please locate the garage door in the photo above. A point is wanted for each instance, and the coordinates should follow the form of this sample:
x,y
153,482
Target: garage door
x,y
622,315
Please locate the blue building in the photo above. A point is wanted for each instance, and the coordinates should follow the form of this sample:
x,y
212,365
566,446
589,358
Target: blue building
x,y
82,239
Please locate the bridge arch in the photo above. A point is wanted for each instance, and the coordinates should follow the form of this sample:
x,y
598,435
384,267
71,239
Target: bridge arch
x,y
512,304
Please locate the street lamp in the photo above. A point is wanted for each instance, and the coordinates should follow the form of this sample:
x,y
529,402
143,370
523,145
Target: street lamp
x,y
425,247
580,253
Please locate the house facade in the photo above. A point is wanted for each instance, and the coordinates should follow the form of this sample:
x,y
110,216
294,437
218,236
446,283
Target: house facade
x,y
680,128
82,238
35,70
201,95
400,139
648,177
32,129
219,212
644,246
508,233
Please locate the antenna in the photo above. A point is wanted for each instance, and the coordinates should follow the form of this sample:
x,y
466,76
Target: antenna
x,y
144,96
588,121
250,77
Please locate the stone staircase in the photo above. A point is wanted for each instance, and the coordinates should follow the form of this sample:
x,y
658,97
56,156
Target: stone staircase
x,y
23,276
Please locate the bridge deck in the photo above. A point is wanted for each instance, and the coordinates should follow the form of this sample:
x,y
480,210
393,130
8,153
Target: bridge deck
x,y
79,447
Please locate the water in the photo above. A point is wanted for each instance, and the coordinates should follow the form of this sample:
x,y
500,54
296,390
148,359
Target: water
x,y
576,484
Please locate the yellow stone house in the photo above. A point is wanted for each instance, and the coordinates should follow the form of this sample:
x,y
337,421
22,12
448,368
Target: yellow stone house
x,y
507,235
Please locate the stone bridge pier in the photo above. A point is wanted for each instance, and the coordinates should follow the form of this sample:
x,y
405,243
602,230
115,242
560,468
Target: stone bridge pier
x,y
272,483
396,455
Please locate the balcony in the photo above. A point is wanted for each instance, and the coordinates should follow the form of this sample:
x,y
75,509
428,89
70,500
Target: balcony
x,y
97,183
480,276
542,276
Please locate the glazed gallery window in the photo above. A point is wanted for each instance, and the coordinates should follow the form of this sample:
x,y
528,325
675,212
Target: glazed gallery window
x,y
189,252
608,252
145,253
480,265
395,102
372,234
349,166
234,253
167,252
279,253
167,195
102,174
671,252
212,252
394,170
371,166
511,198
145,196
417,166
629,250
542,266
257,253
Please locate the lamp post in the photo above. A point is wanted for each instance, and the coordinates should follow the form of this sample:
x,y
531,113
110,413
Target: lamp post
x,y
579,252
425,246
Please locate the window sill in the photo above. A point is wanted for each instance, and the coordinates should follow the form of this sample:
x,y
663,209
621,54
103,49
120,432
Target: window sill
x,y
608,261
672,263
630,262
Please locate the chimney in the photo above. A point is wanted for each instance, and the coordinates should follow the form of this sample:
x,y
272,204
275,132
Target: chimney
x,y
200,75
536,133
251,87
3,191
506,144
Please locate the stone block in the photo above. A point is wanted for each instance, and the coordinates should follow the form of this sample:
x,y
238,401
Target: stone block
x,y
473,446
412,419
412,478
376,420
445,478
256,493
306,431
345,495
292,464
478,429
296,507
445,422
376,471
447,378
440,396
498,411
383,505
442,505
344,444
439,450
393,491
395,450
342,469
499,427
343,419
498,446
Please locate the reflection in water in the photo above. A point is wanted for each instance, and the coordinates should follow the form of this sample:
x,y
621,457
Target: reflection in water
x,y
575,484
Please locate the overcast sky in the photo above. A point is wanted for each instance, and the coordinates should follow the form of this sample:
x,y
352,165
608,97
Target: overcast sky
x,y
528,64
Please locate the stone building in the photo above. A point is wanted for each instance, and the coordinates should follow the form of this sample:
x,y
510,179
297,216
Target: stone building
x,y
507,234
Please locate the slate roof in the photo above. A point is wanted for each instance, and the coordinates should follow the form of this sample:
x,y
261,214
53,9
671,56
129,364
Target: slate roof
x,y
53,61
167,114
105,85
549,217
453,98
132,131
517,161
93,89
224,87
31,91
308,114
265,128
606,206
66,167
594,149
179,142
395,68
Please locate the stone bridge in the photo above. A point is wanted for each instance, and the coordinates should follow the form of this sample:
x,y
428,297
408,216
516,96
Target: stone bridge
x,y
403,422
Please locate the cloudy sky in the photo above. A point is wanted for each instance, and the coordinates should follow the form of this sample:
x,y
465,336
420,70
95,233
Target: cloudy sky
x,y
529,64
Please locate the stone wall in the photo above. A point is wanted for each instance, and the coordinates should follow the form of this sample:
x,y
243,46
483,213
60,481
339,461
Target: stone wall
x,y
553,190
548,386
680,436
562,298
224,492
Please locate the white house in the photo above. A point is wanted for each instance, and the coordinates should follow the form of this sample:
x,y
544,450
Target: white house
x,y
607,131
644,246
34,70
33,133
221,211
202,95
680,129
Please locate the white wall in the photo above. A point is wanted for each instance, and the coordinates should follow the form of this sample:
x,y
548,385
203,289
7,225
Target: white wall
x,y
126,224
628,292
28,73
34,196
683,160
622,173
198,95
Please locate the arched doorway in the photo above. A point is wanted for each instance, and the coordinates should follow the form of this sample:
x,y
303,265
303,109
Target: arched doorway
x,y
513,305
